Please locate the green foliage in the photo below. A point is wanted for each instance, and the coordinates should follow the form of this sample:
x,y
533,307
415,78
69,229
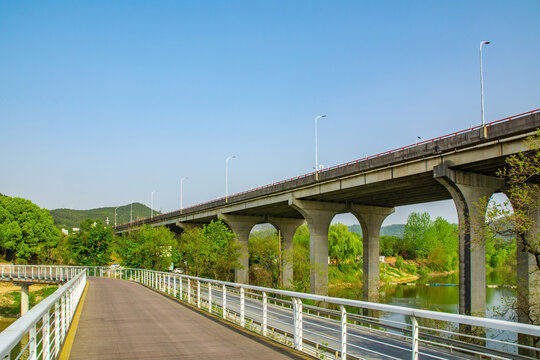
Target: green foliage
x,y
390,245
301,261
11,302
264,258
415,235
436,241
72,218
149,248
343,245
211,251
27,233
399,262
91,245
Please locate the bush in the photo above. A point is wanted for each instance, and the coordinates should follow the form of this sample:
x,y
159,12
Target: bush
x,y
399,262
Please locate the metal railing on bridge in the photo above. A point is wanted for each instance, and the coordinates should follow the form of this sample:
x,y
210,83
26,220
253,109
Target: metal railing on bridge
x,y
321,326
40,333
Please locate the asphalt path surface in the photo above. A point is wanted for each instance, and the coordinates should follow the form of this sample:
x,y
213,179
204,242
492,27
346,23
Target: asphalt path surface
x,y
124,320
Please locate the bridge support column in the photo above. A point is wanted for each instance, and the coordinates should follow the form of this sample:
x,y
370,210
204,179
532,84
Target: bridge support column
x,y
25,304
318,216
286,228
470,193
371,219
241,226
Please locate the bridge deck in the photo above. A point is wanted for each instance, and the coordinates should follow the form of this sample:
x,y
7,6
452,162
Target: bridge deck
x,y
124,320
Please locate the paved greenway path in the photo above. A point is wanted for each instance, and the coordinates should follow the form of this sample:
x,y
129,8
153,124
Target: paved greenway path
x,y
124,320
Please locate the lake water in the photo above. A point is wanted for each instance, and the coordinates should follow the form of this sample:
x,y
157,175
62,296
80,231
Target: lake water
x,y
442,298
446,298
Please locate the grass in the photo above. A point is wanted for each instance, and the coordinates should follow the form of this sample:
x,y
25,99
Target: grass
x,y
10,303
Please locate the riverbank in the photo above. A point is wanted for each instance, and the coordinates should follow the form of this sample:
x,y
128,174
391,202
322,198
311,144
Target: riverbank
x,y
396,271
10,298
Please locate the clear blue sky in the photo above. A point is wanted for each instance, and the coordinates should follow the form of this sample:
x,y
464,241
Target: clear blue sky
x,y
103,102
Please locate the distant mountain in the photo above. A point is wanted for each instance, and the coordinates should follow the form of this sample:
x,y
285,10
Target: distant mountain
x,y
72,218
393,230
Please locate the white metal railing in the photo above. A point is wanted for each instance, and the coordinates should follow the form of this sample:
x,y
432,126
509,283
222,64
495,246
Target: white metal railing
x,y
337,328
321,326
39,273
40,333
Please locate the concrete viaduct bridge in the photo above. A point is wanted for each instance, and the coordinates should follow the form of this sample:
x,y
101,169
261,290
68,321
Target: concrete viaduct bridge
x,y
459,166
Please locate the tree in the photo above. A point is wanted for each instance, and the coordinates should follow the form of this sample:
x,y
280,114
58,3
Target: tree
x,y
91,245
148,248
517,217
415,235
514,217
342,244
27,232
264,258
211,251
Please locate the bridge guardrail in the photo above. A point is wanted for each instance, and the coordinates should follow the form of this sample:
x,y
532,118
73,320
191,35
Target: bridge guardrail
x,y
40,333
350,329
231,197
322,326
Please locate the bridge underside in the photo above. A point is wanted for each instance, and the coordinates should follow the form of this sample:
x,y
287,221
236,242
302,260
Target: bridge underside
x,y
462,168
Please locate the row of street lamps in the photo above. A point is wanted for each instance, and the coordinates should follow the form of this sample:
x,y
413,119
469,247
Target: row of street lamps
x,y
317,166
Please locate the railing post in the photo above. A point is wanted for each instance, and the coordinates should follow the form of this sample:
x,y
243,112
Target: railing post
x,y
242,308
297,306
224,307
32,355
56,328
198,294
181,295
414,351
62,317
265,314
169,283
343,332
209,297
189,291
174,285
46,340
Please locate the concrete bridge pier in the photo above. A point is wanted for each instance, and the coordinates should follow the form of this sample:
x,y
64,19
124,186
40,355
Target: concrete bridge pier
x,y
318,216
286,228
25,303
371,219
471,193
241,226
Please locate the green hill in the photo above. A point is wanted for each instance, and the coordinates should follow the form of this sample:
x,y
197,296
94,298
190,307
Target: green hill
x,y
72,218
394,230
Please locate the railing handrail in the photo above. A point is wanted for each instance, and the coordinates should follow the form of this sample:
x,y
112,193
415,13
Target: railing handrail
x,y
15,332
533,330
230,197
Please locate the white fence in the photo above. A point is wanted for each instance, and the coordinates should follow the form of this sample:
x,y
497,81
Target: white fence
x,y
338,328
321,326
40,333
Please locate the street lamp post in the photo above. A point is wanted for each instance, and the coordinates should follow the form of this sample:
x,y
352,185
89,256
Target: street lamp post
x,y
115,216
482,43
152,205
227,176
316,150
181,192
